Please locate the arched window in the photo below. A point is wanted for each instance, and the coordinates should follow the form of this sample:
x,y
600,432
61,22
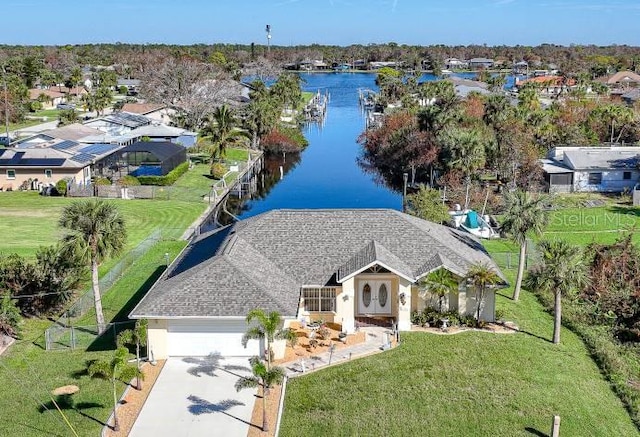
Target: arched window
x,y
383,295
366,295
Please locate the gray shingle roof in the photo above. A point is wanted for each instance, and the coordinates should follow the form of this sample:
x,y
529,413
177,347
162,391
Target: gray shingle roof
x,y
265,260
585,158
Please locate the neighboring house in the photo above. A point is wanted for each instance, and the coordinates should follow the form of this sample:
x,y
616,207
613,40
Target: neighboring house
x,y
602,169
481,63
352,267
161,132
521,67
48,98
73,132
622,79
132,85
463,87
118,123
455,64
549,86
376,65
46,160
631,96
154,111
78,91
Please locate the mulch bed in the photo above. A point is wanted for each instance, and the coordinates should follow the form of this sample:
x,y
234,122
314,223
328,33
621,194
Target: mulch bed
x,y
131,405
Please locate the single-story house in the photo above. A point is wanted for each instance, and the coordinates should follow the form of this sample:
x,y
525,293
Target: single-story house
x,y
48,98
132,85
455,64
602,169
73,132
481,63
551,86
623,79
352,267
162,132
521,67
42,159
463,87
118,123
77,91
154,111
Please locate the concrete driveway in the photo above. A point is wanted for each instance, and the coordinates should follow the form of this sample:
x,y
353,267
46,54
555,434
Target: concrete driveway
x,y
196,397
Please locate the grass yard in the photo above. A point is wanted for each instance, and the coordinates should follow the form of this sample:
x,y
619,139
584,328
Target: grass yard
x,y
28,373
470,384
28,221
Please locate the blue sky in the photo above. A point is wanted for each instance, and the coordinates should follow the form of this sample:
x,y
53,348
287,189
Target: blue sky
x,y
340,22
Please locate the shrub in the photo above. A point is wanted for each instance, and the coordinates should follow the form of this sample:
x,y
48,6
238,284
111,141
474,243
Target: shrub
x,y
123,90
35,106
169,179
62,186
129,181
218,170
500,314
101,181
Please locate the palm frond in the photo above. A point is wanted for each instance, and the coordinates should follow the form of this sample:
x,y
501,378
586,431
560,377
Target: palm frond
x,y
246,382
254,333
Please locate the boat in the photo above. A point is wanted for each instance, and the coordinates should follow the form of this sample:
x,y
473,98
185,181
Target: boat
x,y
446,72
473,223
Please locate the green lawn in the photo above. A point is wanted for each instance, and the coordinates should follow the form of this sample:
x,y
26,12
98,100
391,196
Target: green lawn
x,y
28,221
28,373
470,384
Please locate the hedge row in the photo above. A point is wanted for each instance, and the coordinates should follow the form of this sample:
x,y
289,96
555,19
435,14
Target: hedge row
x,y
169,179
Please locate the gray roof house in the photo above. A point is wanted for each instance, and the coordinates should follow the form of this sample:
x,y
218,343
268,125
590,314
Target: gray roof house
x,y
344,266
601,169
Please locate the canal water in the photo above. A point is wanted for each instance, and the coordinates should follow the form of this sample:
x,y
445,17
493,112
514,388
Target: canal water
x,y
326,174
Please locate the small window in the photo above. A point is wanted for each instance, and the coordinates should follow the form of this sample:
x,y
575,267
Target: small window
x,y
11,174
626,175
48,173
319,299
595,178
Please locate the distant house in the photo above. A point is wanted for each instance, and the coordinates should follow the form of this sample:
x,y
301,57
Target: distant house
x,y
49,98
161,132
78,91
118,123
631,96
154,111
477,63
132,85
624,79
376,65
549,86
521,67
45,160
585,169
463,87
73,132
455,64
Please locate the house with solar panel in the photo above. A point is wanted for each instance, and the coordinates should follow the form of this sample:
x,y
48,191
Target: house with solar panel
x,y
37,163
118,123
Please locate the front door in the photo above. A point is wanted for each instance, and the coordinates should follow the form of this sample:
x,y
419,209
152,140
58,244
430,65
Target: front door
x,y
375,297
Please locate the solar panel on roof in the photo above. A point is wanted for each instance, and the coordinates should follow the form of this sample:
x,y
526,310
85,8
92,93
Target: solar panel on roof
x,y
42,162
83,157
98,149
67,144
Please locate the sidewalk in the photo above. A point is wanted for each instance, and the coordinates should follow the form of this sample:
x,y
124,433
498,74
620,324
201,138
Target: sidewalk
x,y
375,341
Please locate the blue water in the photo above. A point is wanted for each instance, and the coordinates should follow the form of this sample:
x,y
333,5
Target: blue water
x,y
328,175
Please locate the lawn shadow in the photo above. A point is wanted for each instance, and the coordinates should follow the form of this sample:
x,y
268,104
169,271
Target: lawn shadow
x,y
46,432
625,210
66,402
535,432
107,340
531,334
201,406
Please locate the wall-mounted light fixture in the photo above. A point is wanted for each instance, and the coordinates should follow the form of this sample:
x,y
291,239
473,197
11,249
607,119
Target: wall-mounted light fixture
x,y
403,298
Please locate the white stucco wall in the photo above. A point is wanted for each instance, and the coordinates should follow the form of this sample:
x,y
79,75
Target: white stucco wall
x,y
157,338
404,310
612,180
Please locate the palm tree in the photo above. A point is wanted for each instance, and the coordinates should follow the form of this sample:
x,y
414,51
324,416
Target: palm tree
x,y
137,337
264,377
113,370
269,327
95,231
223,130
481,277
525,215
562,272
439,282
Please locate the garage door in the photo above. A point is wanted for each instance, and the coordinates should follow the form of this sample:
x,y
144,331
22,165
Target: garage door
x,y
205,337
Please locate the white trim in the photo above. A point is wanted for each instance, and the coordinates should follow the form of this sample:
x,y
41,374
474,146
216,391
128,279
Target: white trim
x,y
371,264
50,175
10,178
440,267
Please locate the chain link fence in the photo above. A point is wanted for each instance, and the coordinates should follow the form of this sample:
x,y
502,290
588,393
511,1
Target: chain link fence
x,y
60,337
510,260
63,327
